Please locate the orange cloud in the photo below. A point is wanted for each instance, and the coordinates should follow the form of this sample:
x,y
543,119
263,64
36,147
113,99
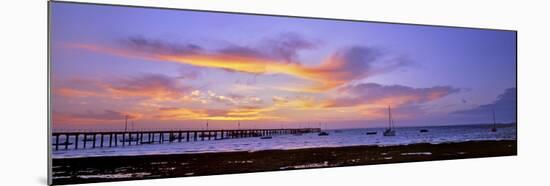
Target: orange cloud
x,y
395,95
343,66
245,113
371,100
151,86
206,97
330,74
181,114
298,102
71,92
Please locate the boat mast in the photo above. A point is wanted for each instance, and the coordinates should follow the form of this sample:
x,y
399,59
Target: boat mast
x,y
389,117
494,120
392,124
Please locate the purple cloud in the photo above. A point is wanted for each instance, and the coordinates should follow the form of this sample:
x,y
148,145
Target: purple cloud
x,y
372,93
505,107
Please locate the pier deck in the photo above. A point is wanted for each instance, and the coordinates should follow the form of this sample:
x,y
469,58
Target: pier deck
x,y
83,140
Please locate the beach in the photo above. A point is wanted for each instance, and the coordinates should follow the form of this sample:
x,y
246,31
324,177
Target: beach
x,y
120,168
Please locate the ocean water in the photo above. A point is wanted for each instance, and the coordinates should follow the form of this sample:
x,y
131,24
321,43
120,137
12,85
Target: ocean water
x,y
336,138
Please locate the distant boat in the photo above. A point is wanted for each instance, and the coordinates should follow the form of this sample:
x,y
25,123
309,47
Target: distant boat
x,y
266,137
423,130
494,129
323,133
390,130
372,133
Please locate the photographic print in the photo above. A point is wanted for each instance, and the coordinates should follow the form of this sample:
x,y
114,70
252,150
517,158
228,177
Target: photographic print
x,y
142,93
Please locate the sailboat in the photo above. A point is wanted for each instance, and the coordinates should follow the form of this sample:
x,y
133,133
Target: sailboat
x,y
323,133
494,129
390,130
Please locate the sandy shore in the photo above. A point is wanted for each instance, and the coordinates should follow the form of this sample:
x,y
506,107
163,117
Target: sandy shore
x,y
100,169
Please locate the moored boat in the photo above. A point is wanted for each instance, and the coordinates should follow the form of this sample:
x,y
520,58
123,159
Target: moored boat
x,y
323,133
390,131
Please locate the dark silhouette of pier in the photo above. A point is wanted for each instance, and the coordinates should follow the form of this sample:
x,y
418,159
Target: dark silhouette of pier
x,y
83,140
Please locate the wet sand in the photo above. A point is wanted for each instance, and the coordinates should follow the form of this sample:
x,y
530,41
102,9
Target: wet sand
x,y
119,168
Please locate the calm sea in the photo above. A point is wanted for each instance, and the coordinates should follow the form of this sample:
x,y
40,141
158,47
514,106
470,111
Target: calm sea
x,y
336,138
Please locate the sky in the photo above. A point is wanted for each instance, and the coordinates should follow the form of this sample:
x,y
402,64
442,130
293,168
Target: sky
x,y
178,69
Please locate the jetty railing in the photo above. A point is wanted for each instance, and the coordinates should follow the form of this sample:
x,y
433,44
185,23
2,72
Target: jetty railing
x,y
83,140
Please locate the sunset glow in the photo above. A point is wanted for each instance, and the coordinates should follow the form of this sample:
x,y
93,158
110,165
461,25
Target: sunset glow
x,y
188,68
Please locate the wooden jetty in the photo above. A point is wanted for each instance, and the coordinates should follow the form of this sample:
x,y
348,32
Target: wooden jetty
x,y
70,140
